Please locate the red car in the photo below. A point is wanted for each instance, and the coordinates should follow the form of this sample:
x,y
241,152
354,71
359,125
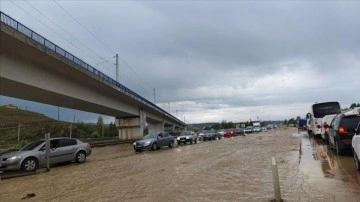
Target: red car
x,y
230,133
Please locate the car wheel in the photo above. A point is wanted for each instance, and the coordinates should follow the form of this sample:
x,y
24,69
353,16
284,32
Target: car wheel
x,y
171,144
327,141
80,157
338,150
138,150
191,141
30,164
154,146
195,141
179,143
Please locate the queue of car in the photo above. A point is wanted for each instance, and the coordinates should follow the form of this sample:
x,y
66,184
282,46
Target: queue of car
x,y
64,149
342,133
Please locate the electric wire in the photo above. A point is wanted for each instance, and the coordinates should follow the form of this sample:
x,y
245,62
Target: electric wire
x,y
69,35
139,86
54,31
84,27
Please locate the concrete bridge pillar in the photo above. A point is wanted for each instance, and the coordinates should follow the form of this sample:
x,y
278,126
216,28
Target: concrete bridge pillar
x,y
156,127
131,127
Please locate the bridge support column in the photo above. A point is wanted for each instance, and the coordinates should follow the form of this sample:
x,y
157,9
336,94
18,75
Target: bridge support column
x,y
131,127
156,127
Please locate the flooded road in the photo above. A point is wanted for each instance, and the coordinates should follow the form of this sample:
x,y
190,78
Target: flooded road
x,y
328,175
234,169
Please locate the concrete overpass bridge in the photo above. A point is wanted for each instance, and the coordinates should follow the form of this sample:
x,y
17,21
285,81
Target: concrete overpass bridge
x,y
33,68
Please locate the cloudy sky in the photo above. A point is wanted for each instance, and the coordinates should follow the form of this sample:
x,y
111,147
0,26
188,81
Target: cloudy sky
x,y
209,60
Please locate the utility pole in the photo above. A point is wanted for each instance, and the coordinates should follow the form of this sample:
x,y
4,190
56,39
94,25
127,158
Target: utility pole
x,y
19,132
70,129
58,113
117,67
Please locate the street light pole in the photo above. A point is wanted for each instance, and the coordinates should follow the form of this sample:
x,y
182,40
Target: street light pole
x,y
117,67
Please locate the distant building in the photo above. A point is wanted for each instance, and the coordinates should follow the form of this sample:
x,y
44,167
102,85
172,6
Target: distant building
x,y
11,106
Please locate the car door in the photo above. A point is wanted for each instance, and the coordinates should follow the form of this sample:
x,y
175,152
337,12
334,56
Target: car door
x,y
54,156
332,130
67,149
356,141
166,139
160,140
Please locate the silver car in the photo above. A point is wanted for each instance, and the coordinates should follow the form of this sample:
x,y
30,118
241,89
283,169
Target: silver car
x,y
154,141
33,155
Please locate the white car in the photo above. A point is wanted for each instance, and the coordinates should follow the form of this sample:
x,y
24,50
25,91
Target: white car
x,y
325,122
355,144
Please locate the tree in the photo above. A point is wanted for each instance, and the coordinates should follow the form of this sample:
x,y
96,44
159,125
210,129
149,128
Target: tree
x,y
100,125
353,105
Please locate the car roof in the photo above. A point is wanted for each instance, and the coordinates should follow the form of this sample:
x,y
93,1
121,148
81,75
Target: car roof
x,y
355,111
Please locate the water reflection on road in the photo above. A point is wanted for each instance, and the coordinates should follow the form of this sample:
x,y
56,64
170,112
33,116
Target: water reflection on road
x,y
327,173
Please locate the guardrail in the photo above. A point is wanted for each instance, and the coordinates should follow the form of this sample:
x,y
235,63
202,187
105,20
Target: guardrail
x,y
7,20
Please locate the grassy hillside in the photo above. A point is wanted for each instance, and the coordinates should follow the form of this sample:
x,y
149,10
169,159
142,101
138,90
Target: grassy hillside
x,y
33,126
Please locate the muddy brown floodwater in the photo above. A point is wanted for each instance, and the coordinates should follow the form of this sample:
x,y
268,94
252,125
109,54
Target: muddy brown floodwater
x,y
234,169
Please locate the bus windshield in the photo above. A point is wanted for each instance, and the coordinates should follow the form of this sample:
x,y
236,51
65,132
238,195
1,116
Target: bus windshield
x,y
322,109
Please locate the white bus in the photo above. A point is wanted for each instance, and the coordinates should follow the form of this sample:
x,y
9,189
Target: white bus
x,y
317,112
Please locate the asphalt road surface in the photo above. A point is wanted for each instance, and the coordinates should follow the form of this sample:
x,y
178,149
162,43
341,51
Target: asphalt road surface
x,y
231,169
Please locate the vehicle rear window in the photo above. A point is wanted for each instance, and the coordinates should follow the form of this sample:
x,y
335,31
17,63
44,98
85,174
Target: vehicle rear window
x,y
350,122
323,109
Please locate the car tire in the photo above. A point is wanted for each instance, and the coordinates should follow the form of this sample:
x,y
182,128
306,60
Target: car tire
x,y
80,157
154,146
138,150
338,150
196,141
179,143
30,164
326,138
171,144
191,141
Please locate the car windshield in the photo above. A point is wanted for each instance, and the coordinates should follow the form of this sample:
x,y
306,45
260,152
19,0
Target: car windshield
x,y
150,135
185,134
32,146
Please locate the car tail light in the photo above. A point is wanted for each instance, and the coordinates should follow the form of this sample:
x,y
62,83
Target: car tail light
x,y
342,130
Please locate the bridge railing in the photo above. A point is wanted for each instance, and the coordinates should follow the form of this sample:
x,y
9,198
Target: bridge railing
x,y
63,53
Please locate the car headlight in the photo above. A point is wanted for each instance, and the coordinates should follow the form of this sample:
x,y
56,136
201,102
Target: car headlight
x,y
187,137
147,143
134,143
178,138
14,158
